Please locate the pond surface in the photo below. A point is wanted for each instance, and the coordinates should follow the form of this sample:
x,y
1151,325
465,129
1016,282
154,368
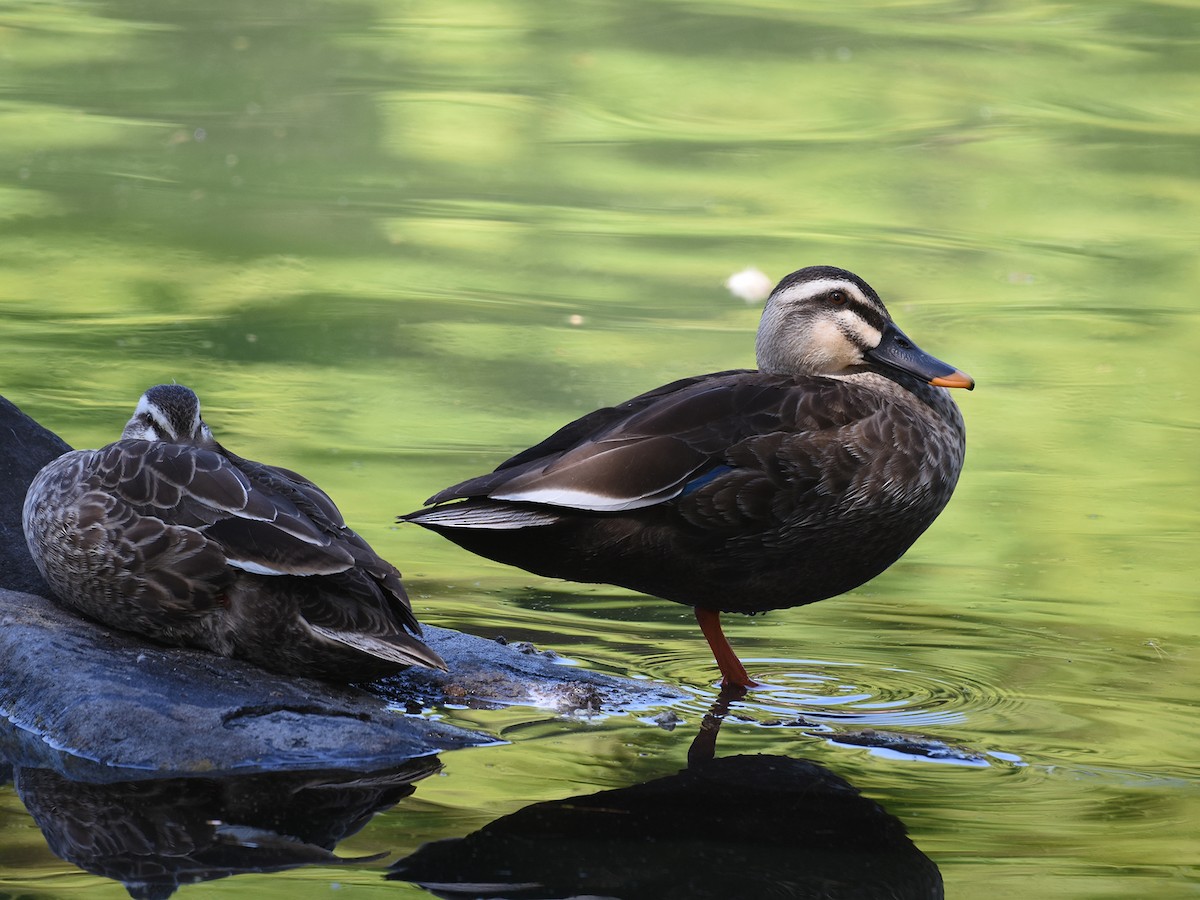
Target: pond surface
x,y
389,244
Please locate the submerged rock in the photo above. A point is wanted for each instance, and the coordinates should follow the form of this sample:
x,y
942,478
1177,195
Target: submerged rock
x,y
485,674
101,705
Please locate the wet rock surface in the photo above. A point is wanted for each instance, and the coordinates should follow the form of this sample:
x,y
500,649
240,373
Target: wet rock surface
x,y
97,704
490,673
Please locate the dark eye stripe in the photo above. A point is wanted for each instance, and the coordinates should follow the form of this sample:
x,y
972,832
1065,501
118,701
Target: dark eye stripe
x,y
869,313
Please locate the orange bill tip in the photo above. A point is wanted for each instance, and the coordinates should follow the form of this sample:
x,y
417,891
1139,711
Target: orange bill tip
x,y
955,379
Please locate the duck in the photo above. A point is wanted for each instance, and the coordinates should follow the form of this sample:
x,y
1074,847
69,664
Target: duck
x,y
168,534
739,491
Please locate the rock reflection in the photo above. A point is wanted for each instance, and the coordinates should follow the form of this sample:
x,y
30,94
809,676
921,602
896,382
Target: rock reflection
x,y
155,835
741,826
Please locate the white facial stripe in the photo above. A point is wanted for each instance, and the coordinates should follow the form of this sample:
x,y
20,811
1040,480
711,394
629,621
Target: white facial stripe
x,y
809,289
142,407
141,426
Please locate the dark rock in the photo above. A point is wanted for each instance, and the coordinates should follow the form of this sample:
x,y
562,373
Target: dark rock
x,y
100,705
25,446
909,745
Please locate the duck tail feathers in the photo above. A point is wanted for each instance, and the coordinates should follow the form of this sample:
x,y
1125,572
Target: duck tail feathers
x,y
402,649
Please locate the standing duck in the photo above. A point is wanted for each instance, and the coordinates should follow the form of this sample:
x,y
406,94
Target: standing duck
x,y
739,491
167,534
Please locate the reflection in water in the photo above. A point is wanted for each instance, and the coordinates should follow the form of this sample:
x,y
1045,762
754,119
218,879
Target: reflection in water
x,y
158,834
742,826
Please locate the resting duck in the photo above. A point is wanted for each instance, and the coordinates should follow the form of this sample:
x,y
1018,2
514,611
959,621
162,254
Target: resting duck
x,y
167,534
739,491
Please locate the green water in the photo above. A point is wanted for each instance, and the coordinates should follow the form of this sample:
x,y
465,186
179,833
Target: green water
x,y
390,243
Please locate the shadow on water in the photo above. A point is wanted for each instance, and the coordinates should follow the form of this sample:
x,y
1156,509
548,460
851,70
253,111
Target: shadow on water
x,y
742,826
156,835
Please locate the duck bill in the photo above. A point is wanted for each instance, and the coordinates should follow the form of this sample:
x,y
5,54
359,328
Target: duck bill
x,y
898,353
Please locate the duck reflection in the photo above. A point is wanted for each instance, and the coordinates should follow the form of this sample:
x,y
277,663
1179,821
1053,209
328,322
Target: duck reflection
x,y
157,834
742,826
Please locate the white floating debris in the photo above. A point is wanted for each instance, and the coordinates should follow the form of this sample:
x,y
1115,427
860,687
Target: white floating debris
x,y
750,285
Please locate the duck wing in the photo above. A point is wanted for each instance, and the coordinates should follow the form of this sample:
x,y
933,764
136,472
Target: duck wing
x,y
570,436
259,530
687,438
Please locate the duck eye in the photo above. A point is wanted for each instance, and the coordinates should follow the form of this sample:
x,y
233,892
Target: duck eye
x,y
838,297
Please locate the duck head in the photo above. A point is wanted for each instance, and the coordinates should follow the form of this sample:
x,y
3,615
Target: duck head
x,y
169,413
826,321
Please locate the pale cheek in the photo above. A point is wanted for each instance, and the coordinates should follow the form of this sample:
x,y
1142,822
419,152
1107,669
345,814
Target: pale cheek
x,y
831,352
851,356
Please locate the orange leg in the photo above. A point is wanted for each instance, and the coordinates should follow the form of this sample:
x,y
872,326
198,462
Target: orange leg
x,y
733,673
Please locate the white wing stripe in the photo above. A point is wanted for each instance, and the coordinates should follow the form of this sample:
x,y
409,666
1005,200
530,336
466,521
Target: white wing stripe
x,y
257,568
585,499
490,517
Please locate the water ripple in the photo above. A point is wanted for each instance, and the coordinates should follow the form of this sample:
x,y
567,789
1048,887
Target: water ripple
x,y
861,695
